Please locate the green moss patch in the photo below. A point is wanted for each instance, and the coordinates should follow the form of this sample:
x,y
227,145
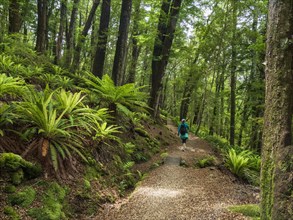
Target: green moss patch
x,y
250,210
11,213
52,204
18,168
23,198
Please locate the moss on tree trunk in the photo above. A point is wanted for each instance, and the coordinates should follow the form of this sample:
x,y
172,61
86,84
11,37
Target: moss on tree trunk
x,y
276,175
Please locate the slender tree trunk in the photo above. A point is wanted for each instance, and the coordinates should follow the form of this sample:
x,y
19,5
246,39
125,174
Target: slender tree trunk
x,y
216,103
251,79
135,48
201,107
15,19
42,26
163,43
277,151
233,75
49,12
121,45
70,34
188,89
99,60
222,101
63,12
82,36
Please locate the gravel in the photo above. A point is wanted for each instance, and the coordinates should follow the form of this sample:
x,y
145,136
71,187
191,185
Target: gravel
x,y
173,192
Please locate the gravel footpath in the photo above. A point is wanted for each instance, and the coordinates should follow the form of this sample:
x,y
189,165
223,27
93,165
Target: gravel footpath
x,y
172,192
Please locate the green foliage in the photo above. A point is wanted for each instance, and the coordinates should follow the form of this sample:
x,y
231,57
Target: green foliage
x,y
10,189
17,177
86,184
104,131
142,132
125,98
5,117
23,198
12,161
9,211
244,163
11,85
237,162
164,155
47,120
154,165
126,179
206,162
18,168
217,141
129,148
250,210
52,204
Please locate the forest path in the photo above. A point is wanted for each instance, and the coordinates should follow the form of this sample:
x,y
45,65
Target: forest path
x,y
173,192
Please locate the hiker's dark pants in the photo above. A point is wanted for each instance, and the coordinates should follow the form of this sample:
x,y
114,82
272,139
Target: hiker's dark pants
x,y
184,140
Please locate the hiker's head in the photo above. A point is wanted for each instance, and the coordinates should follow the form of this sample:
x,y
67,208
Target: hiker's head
x,y
182,120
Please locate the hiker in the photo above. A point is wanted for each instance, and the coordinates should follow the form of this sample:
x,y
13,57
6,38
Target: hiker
x,y
183,129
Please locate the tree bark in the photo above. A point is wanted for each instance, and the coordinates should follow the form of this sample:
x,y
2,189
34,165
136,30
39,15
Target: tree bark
x,y
63,12
121,45
41,26
15,19
233,75
163,43
70,34
82,36
135,47
277,152
99,60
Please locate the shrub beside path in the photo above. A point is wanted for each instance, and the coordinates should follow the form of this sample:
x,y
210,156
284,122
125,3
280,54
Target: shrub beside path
x,y
173,192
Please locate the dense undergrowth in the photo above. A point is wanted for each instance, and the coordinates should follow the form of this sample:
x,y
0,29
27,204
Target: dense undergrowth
x,y
68,140
243,163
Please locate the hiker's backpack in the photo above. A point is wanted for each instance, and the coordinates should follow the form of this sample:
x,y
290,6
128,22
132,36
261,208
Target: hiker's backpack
x,y
183,129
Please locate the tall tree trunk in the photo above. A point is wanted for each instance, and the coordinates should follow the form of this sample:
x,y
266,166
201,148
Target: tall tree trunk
x,y
233,74
251,79
163,43
82,36
42,26
216,103
99,60
121,45
70,34
135,48
201,107
15,19
50,10
63,12
277,152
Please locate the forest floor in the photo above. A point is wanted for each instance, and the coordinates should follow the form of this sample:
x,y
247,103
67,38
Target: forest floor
x,y
174,192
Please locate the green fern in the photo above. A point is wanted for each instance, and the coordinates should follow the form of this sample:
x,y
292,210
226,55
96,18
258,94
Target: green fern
x,y
104,131
55,133
125,98
10,85
236,162
68,101
6,63
5,117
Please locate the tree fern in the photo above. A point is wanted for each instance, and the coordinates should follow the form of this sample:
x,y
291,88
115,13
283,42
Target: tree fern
x,y
126,95
40,114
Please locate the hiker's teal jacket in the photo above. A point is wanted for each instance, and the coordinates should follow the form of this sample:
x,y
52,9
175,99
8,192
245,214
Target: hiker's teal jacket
x,y
184,136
